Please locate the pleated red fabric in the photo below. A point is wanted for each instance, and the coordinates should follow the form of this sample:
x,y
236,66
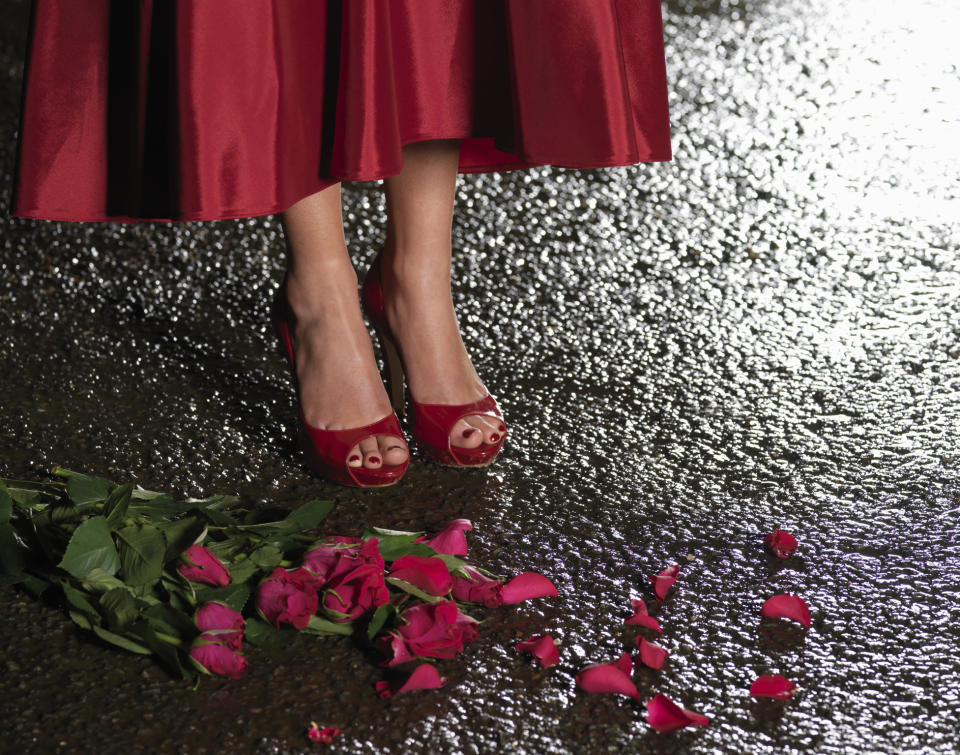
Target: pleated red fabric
x,y
212,109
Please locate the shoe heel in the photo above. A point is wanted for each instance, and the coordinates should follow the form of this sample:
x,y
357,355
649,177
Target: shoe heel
x,y
394,381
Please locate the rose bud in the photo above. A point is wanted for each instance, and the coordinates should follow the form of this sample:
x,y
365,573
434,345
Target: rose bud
x,y
200,565
222,623
336,557
358,592
288,597
210,657
478,588
428,630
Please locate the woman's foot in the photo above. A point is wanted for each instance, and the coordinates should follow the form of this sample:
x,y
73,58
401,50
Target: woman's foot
x,y
419,311
339,384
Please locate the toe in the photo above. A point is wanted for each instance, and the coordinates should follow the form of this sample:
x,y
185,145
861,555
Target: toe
x,y
371,453
392,449
466,434
355,457
490,427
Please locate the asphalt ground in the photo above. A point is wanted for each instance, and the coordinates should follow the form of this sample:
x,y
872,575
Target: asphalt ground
x,y
764,332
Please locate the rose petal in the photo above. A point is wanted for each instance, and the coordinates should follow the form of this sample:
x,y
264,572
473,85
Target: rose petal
x,y
325,736
450,540
527,586
624,663
665,715
607,678
427,573
786,606
651,655
664,581
641,618
775,686
424,676
542,647
780,543
477,588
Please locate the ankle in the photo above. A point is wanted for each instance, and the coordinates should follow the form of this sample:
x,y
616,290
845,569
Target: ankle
x,y
321,289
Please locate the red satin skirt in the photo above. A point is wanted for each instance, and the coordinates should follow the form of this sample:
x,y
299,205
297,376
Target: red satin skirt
x,y
211,109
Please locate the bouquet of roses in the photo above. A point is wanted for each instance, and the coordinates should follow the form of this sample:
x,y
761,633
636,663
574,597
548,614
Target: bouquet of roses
x,y
190,580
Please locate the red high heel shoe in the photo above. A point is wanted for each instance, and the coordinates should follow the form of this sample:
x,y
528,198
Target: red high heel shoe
x,y
326,450
430,424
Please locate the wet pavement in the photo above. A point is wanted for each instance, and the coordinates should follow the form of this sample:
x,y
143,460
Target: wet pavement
x,y
764,332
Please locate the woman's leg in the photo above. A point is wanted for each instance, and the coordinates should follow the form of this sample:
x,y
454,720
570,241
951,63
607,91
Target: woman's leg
x,y
340,386
416,283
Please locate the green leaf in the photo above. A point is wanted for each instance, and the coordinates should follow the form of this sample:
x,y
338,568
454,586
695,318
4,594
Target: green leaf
x,y
166,619
167,653
379,618
6,504
453,563
98,582
11,558
260,633
235,595
267,557
142,551
415,591
119,608
115,508
308,516
316,625
121,641
242,570
180,535
394,544
91,547
35,585
77,598
81,620
83,489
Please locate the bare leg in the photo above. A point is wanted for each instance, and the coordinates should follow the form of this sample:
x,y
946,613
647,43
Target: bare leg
x,y
340,386
416,281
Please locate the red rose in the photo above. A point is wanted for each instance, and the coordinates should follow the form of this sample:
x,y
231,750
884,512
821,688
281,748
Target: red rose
x,y
210,657
336,557
287,596
221,623
360,591
479,588
200,565
428,573
428,630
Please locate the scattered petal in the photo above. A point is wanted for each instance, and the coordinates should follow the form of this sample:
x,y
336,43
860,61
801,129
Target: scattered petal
x,y
624,663
325,736
780,543
608,678
641,618
664,581
651,655
775,686
542,647
527,586
427,573
665,715
424,676
786,606
450,540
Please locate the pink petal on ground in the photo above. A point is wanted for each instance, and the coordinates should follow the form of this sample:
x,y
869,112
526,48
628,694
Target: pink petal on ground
x,y
665,715
542,647
775,686
624,663
780,543
651,655
424,676
316,734
786,606
526,586
641,618
664,581
450,540
607,678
